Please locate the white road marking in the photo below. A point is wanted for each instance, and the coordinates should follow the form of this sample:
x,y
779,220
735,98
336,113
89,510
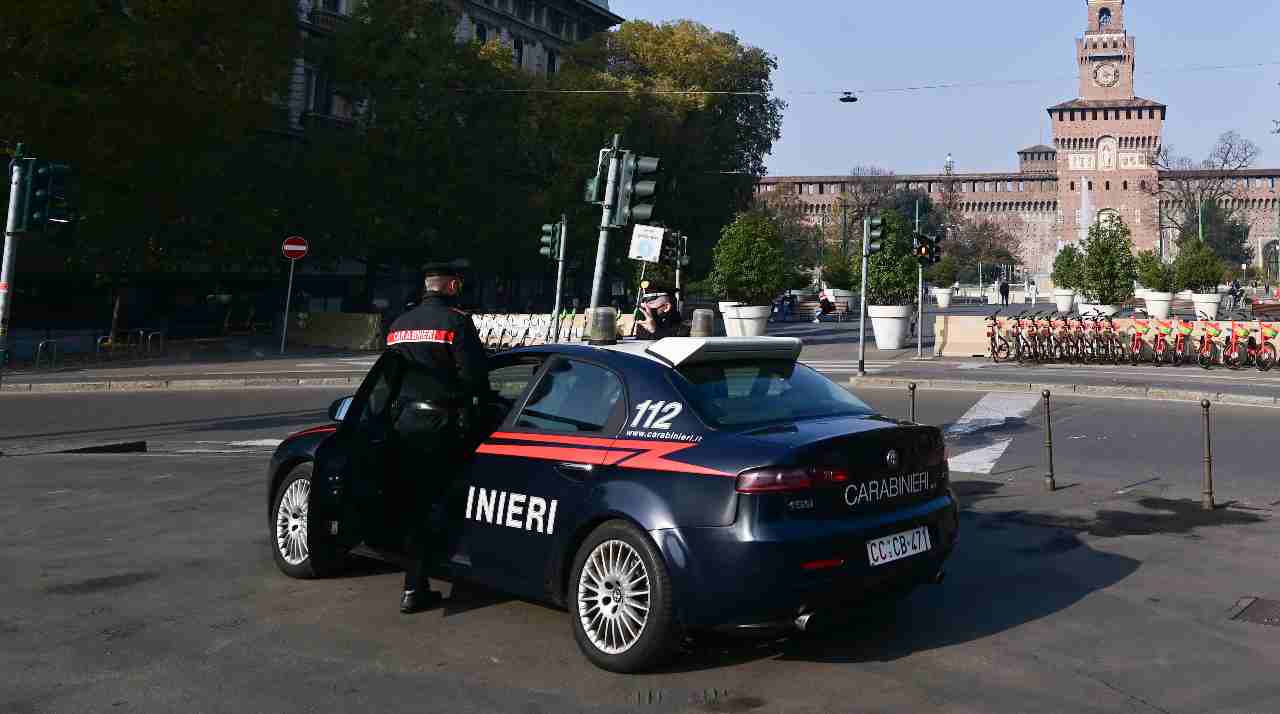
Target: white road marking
x,y
257,442
992,411
55,493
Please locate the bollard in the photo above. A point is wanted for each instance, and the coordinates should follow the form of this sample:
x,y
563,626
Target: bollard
x,y
1207,502
704,324
911,388
1049,484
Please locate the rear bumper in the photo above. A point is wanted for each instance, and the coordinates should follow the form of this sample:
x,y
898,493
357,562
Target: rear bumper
x,y
734,577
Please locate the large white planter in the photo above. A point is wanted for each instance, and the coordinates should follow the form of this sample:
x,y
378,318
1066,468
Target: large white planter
x,y
1107,310
1158,304
890,323
747,320
1064,299
724,313
943,296
1207,303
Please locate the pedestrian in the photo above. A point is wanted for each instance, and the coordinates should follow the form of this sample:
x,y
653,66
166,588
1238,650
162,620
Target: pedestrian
x,y
660,317
1033,292
1004,292
788,307
825,306
445,375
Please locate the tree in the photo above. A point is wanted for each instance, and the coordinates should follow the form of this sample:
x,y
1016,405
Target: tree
x,y
713,146
159,106
1109,265
749,265
1225,232
984,242
1187,185
1154,273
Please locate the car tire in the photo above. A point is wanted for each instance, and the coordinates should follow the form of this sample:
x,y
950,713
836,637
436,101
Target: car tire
x,y
297,554
605,626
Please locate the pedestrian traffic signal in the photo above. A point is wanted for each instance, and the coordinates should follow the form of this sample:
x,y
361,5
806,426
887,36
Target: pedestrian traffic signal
x,y
632,188
875,231
927,249
551,240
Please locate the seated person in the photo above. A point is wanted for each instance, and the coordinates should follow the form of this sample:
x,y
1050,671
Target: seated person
x,y
825,307
659,317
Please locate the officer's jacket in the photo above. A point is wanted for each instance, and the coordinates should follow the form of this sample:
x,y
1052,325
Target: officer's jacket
x,y
442,339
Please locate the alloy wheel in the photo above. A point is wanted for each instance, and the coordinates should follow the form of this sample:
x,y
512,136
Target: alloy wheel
x,y
291,522
613,597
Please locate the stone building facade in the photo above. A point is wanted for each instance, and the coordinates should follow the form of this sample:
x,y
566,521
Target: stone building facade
x,y
1098,165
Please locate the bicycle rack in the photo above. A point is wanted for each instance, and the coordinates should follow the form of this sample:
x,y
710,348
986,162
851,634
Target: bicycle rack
x,y
53,349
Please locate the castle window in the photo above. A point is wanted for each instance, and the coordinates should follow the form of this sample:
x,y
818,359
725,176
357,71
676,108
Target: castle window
x,y
1095,115
1128,114
1108,185
1106,114
1090,186
1273,183
1126,185
1104,18
1073,185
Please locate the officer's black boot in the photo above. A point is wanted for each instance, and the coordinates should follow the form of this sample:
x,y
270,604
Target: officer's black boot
x,y
418,600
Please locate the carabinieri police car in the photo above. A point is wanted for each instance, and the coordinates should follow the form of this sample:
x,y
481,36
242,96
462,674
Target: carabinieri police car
x,y
650,488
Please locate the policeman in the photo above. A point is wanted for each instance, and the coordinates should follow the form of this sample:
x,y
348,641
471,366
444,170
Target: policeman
x,y
659,316
447,375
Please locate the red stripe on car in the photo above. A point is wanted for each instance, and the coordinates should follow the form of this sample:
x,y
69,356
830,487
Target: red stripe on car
x,y
624,453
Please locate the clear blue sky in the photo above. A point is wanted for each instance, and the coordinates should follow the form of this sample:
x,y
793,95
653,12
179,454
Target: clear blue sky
x,y
824,45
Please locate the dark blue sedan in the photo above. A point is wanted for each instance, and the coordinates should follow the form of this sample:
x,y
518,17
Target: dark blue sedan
x,y
651,488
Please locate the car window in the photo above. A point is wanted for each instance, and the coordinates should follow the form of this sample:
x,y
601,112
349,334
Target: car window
x,y
378,391
510,381
573,396
753,392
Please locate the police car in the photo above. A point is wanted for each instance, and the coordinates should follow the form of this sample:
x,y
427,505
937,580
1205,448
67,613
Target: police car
x,y
650,488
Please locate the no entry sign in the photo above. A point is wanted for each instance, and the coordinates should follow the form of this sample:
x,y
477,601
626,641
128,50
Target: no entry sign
x,y
294,248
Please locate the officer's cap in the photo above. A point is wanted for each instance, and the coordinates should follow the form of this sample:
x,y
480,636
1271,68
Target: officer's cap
x,y
656,291
453,268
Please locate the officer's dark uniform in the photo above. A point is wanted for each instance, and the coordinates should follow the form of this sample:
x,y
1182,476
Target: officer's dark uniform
x,y
447,375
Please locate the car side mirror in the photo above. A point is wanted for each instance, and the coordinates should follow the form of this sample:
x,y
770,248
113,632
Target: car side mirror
x,y
338,410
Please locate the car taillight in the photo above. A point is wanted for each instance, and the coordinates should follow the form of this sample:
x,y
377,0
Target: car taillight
x,y
790,478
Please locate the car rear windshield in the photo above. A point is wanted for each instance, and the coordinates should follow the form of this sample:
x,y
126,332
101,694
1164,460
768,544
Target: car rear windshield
x,y
750,393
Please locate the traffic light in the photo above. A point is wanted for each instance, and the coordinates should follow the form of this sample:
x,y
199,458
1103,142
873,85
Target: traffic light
x,y
45,195
596,185
551,238
632,187
875,231
670,248
927,249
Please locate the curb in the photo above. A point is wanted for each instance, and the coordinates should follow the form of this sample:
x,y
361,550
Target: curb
x,y
188,385
1157,394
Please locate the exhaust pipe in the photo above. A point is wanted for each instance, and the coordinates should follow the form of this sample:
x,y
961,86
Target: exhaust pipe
x,y
802,622
939,577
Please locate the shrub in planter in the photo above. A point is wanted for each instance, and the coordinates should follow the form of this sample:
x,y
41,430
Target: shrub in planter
x,y
1067,268
891,283
1158,277
837,272
1109,266
944,273
1155,274
749,267
1198,269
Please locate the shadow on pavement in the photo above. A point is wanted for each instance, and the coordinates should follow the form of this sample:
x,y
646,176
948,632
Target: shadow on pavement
x,y
266,420
1010,568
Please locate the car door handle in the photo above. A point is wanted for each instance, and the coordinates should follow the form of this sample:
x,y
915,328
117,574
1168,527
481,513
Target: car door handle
x,y
574,470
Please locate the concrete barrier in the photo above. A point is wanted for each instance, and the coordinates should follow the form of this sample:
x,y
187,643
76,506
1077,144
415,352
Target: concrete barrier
x,y
339,330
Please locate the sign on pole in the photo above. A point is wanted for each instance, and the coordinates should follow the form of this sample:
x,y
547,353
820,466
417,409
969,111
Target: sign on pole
x,y
646,243
294,249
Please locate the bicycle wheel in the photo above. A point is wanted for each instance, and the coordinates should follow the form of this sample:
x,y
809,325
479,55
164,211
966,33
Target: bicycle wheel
x,y
1160,352
1177,356
1135,353
1001,352
1118,350
1205,356
1234,357
1266,357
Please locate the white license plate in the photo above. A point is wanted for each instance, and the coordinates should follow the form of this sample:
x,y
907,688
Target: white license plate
x,y
898,546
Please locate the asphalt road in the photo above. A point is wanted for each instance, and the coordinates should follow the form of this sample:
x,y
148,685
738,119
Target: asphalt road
x,y
143,582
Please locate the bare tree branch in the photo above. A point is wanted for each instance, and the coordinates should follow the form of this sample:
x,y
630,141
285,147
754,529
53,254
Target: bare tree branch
x,y
1184,184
